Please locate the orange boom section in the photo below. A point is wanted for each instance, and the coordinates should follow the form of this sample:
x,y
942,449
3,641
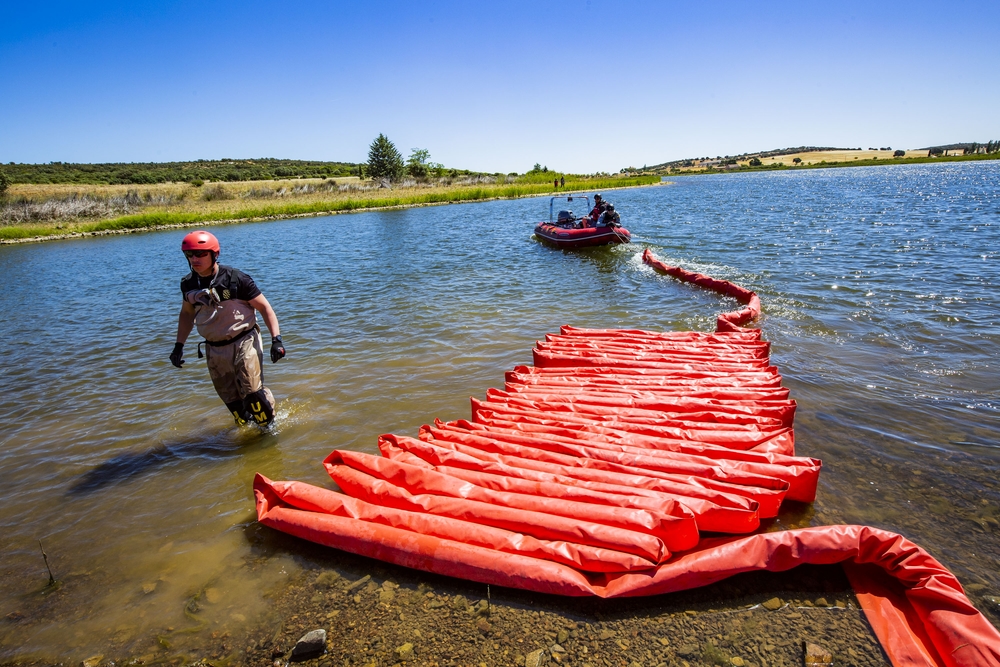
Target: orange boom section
x,y
625,462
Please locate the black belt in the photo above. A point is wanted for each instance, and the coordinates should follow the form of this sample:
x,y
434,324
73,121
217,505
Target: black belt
x,y
220,343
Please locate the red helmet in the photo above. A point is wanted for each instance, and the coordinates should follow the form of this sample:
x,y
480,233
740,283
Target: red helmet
x,y
200,241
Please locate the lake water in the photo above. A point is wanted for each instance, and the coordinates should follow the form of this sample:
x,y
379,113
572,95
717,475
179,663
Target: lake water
x,y
880,297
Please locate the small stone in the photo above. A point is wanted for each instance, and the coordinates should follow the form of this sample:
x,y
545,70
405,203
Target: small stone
x,y
483,608
435,604
821,602
534,659
663,641
333,614
691,612
818,656
975,588
386,595
459,602
737,662
794,615
405,652
689,651
92,661
606,634
556,648
772,604
483,625
149,587
327,579
359,583
311,645
562,636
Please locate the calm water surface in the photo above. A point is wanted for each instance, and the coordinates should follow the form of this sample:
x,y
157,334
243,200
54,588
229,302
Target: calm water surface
x,y
880,297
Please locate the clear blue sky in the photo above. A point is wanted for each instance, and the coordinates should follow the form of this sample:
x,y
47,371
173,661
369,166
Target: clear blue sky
x,y
578,85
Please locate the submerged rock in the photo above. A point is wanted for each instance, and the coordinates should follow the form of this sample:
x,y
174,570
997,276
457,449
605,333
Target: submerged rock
x,y
405,652
817,656
535,658
310,645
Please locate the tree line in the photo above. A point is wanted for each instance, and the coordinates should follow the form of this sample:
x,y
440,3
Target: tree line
x,y
147,173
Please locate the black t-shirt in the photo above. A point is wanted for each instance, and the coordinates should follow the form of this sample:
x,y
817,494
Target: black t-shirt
x,y
230,283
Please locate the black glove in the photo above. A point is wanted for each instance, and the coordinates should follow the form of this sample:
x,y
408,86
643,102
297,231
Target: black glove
x,y
277,349
177,356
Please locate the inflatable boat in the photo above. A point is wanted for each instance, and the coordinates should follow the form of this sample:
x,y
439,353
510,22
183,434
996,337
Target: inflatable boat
x,y
564,230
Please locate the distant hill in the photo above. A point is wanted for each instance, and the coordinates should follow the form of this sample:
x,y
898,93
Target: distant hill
x,y
144,173
733,159
812,155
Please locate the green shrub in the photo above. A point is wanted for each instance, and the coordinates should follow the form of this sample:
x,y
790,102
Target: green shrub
x,y
4,183
216,193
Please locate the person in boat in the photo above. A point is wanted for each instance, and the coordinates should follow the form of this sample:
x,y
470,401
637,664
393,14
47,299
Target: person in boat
x,y
610,217
590,220
223,303
595,212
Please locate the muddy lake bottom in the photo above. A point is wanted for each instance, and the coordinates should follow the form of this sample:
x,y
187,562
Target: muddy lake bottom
x,y
378,615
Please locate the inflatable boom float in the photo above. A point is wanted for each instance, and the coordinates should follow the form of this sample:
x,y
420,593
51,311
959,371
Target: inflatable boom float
x,y
624,463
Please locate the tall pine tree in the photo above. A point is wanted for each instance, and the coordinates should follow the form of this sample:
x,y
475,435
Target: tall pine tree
x,y
384,161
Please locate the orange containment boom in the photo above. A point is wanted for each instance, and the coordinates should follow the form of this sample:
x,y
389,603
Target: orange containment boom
x,y
624,463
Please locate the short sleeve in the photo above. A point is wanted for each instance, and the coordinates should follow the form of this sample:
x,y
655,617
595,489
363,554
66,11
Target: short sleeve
x,y
246,288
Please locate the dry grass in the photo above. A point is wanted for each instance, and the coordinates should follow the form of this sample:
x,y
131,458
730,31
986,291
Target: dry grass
x,y
815,157
80,203
36,211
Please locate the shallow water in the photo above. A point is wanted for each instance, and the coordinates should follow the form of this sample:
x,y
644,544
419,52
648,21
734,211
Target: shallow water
x,y
879,288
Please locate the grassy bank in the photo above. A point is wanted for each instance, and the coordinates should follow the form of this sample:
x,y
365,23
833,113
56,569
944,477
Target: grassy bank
x,y
187,211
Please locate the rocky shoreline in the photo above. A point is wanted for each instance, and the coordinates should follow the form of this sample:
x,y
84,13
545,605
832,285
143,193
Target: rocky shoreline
x,y
376,615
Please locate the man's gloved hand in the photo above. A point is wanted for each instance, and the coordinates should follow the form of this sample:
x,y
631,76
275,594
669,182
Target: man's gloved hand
x,y
177,356
277,349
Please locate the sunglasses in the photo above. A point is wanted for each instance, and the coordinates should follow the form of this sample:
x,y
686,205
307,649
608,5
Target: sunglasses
x,y
196,253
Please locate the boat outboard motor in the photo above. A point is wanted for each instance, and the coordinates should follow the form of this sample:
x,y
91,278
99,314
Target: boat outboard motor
x,y
564,217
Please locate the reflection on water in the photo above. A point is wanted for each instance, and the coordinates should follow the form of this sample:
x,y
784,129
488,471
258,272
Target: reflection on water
x,y
876,285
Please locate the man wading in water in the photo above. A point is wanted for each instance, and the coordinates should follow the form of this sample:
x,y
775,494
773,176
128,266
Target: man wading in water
x,y
223,303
